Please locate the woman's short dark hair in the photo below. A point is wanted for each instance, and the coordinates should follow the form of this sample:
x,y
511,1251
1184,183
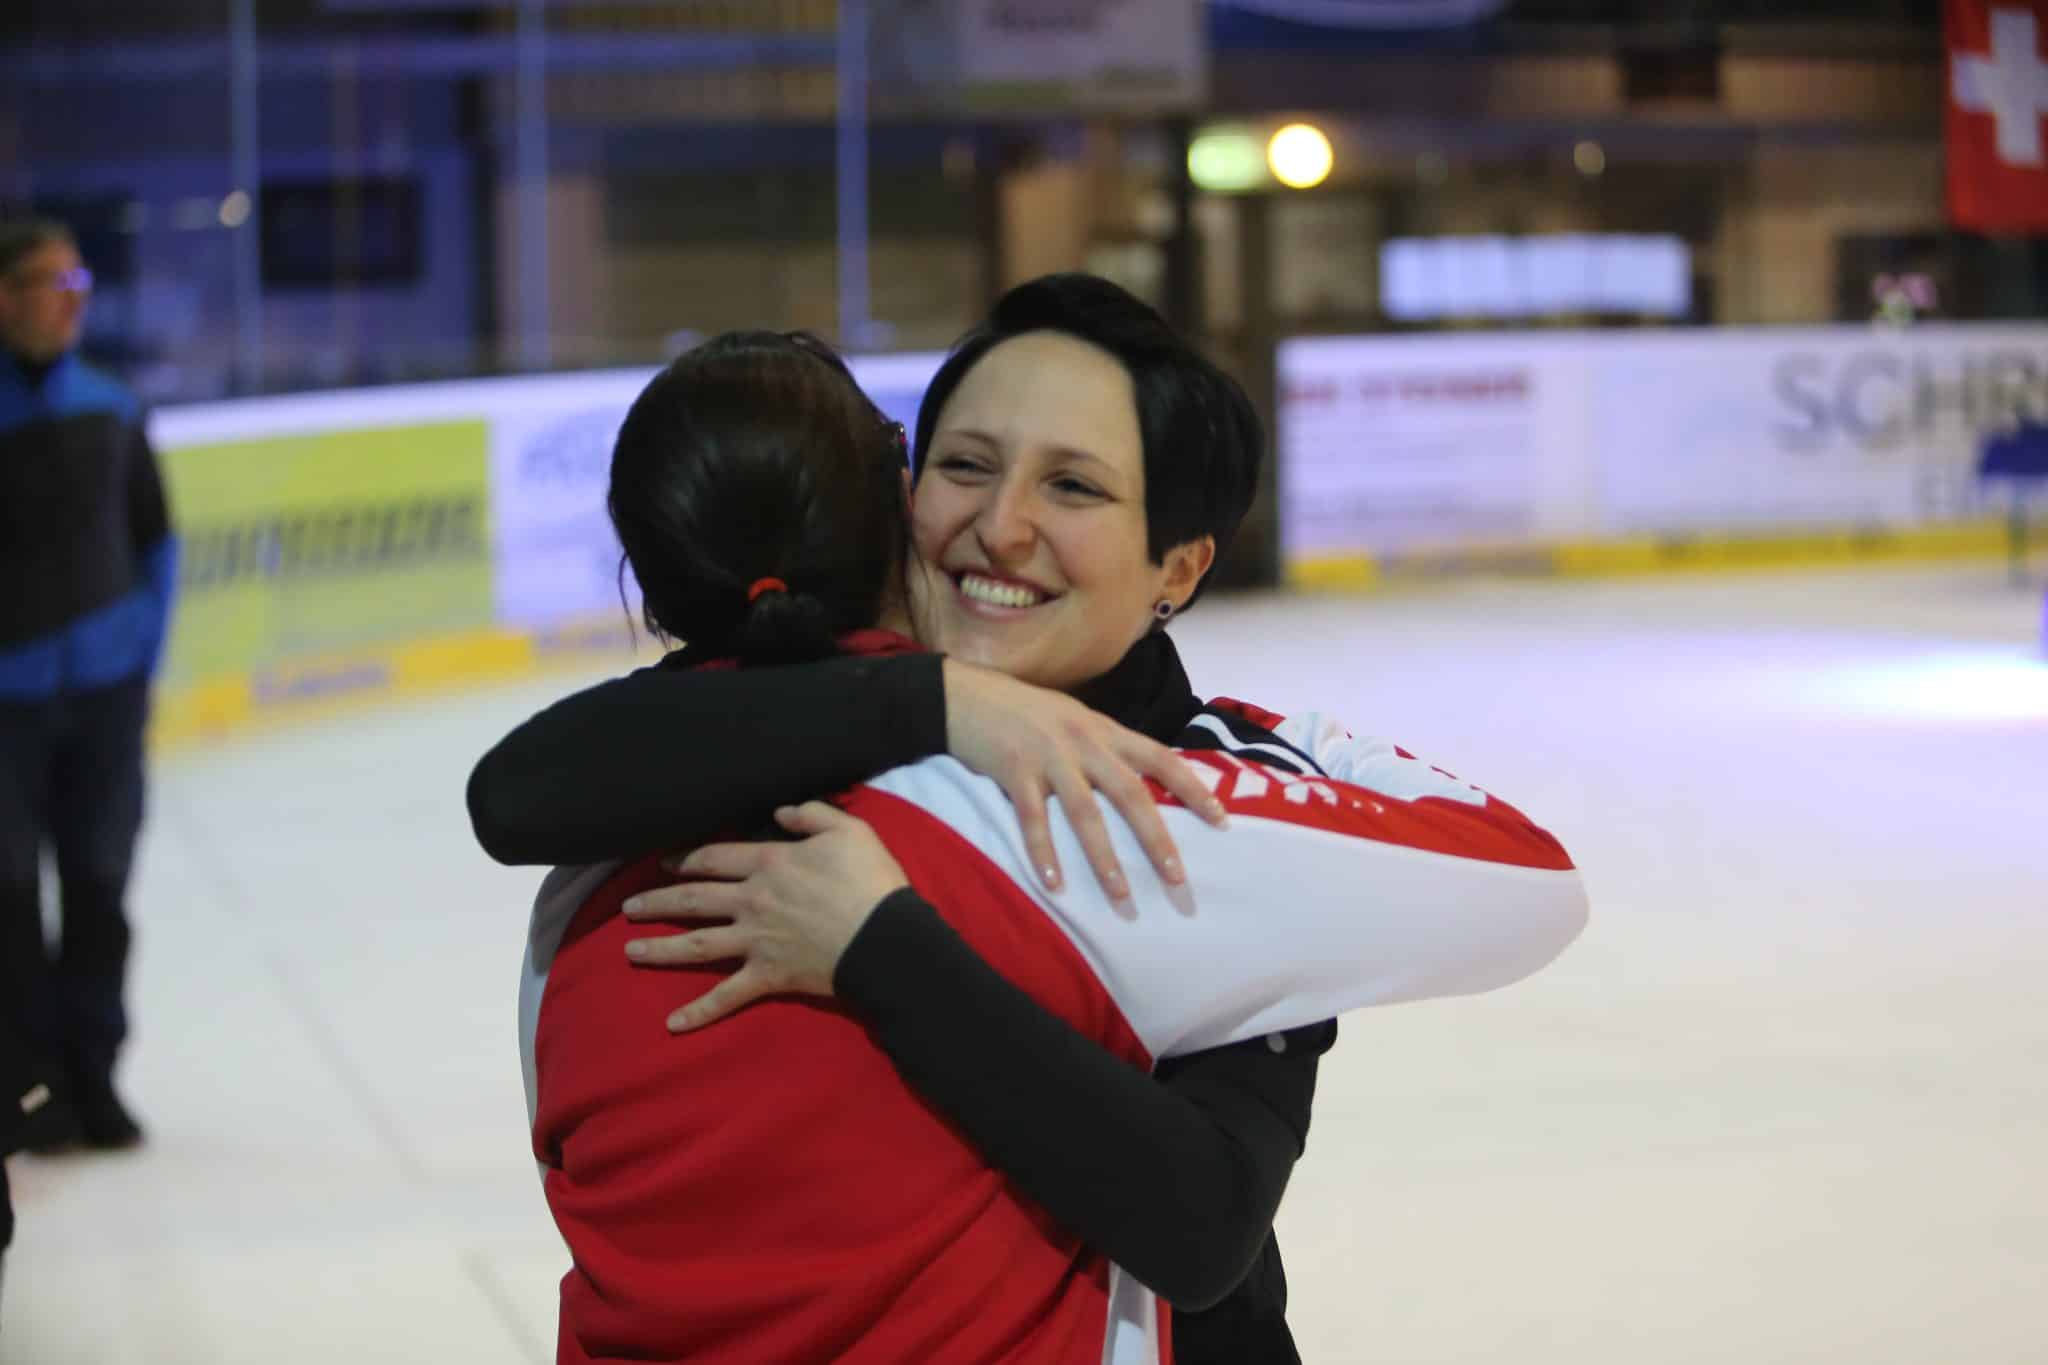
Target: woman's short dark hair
x,y
752,456
1203,440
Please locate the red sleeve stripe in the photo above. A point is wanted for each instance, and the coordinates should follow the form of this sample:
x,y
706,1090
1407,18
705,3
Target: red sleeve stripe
x,y
1494,832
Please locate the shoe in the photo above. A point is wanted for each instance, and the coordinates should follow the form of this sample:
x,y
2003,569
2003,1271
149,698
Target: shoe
x,y
104,1123
51,1129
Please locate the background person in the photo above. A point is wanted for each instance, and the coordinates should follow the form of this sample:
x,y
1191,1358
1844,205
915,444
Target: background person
x,y
88,557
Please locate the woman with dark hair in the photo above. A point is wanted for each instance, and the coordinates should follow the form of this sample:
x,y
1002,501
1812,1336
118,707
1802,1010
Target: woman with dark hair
x,y
1079,468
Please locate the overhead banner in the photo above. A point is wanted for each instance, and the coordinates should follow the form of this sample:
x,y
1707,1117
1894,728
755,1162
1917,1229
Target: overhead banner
x,y
1391,444
1045,57
1390,14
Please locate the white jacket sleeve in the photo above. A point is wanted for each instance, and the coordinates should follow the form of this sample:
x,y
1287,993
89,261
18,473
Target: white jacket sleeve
x,y
1372,762
1322,896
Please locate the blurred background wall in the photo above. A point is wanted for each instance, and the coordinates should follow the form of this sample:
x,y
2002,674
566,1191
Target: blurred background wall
x,y
284,197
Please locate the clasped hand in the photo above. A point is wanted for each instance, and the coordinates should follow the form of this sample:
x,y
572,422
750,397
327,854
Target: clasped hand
x,y
791,909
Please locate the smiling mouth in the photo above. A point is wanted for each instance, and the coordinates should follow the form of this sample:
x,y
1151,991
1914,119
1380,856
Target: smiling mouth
x,y
994,592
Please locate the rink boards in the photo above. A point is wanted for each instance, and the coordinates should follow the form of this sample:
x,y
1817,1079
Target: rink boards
x,y
377,542
1636,450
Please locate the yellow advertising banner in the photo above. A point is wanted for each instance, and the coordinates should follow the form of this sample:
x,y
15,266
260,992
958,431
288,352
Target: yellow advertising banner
x,y
298,548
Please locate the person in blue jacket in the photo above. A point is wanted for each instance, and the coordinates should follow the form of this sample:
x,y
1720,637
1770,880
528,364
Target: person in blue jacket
x,y
88,562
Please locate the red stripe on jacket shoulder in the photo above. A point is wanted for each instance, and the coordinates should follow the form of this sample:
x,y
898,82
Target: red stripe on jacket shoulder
x,y
1494,832
1244,710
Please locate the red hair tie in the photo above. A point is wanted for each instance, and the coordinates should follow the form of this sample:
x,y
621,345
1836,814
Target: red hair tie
x,y
762,585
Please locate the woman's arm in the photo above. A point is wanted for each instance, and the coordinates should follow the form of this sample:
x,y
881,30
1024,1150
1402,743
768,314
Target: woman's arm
x,y
1388,896
668,757
1176,1179
1320,897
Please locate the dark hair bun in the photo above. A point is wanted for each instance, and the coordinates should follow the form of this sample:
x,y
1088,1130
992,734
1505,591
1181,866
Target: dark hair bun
x,y
784,628
755,456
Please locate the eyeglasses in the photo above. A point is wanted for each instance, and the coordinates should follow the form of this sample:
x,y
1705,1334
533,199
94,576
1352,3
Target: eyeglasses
x,y
77,280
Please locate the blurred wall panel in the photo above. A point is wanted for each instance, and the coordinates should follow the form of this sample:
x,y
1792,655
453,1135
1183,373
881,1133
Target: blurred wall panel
x,y
1047,214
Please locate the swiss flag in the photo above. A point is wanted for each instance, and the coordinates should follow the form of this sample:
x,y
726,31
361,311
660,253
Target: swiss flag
x,y
1997,94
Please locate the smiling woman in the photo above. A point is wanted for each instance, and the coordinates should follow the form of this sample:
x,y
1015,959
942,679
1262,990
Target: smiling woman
x,y
1032,507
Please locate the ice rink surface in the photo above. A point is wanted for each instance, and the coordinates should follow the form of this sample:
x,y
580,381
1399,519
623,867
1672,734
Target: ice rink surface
x,y
1787,1101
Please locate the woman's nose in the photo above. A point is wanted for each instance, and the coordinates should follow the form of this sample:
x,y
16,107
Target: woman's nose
x,y
1005,526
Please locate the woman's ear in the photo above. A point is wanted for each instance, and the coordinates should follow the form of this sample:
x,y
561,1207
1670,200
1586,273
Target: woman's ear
x,y
1185,565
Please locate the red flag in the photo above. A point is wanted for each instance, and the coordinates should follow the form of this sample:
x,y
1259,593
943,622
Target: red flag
x,y
1997,94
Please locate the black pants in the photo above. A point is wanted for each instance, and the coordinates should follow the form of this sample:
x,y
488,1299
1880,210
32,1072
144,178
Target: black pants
x,y
70,782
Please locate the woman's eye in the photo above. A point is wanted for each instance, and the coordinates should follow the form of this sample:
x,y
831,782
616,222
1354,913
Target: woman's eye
x,y
962,464
1077,488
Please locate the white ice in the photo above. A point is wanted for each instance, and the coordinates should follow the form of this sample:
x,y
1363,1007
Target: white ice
x,y
1787,1101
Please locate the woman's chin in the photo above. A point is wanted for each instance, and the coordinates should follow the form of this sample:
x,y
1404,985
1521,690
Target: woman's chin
x,y
1006,646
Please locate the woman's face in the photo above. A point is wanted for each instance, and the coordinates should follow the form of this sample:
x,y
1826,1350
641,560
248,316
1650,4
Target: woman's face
x,y
1029,517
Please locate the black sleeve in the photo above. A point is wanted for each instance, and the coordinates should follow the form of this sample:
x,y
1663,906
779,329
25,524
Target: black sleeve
x,y
1175,1178
665,758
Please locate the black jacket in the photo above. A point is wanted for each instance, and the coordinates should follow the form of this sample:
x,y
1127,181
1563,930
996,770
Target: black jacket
x,y
86,549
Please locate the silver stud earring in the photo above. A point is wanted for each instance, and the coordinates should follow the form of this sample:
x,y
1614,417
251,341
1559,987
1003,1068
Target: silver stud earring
x,y
1162,610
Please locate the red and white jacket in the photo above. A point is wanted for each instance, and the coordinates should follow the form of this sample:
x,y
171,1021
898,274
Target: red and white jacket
x,y
769,1190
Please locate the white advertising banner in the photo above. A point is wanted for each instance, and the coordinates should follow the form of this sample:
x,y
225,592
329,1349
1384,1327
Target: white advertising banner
x,y
1395,443
551,447
1836,426
1390,444
551,454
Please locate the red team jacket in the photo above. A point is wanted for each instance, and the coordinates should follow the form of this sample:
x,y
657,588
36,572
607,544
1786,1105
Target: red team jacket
x,y
769,1190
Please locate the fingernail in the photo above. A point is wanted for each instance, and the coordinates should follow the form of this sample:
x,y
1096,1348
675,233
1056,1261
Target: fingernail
x,y
1175,873
633,906
636,949
1051,876
1214,809
1119,889
678,1022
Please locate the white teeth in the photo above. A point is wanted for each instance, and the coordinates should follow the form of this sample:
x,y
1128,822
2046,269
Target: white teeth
x,y
997,594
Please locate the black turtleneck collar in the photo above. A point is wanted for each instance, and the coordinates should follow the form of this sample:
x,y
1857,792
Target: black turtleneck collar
x,y
1148,690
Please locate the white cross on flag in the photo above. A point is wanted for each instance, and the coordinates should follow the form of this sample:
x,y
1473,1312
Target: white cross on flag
x,y
1997,94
